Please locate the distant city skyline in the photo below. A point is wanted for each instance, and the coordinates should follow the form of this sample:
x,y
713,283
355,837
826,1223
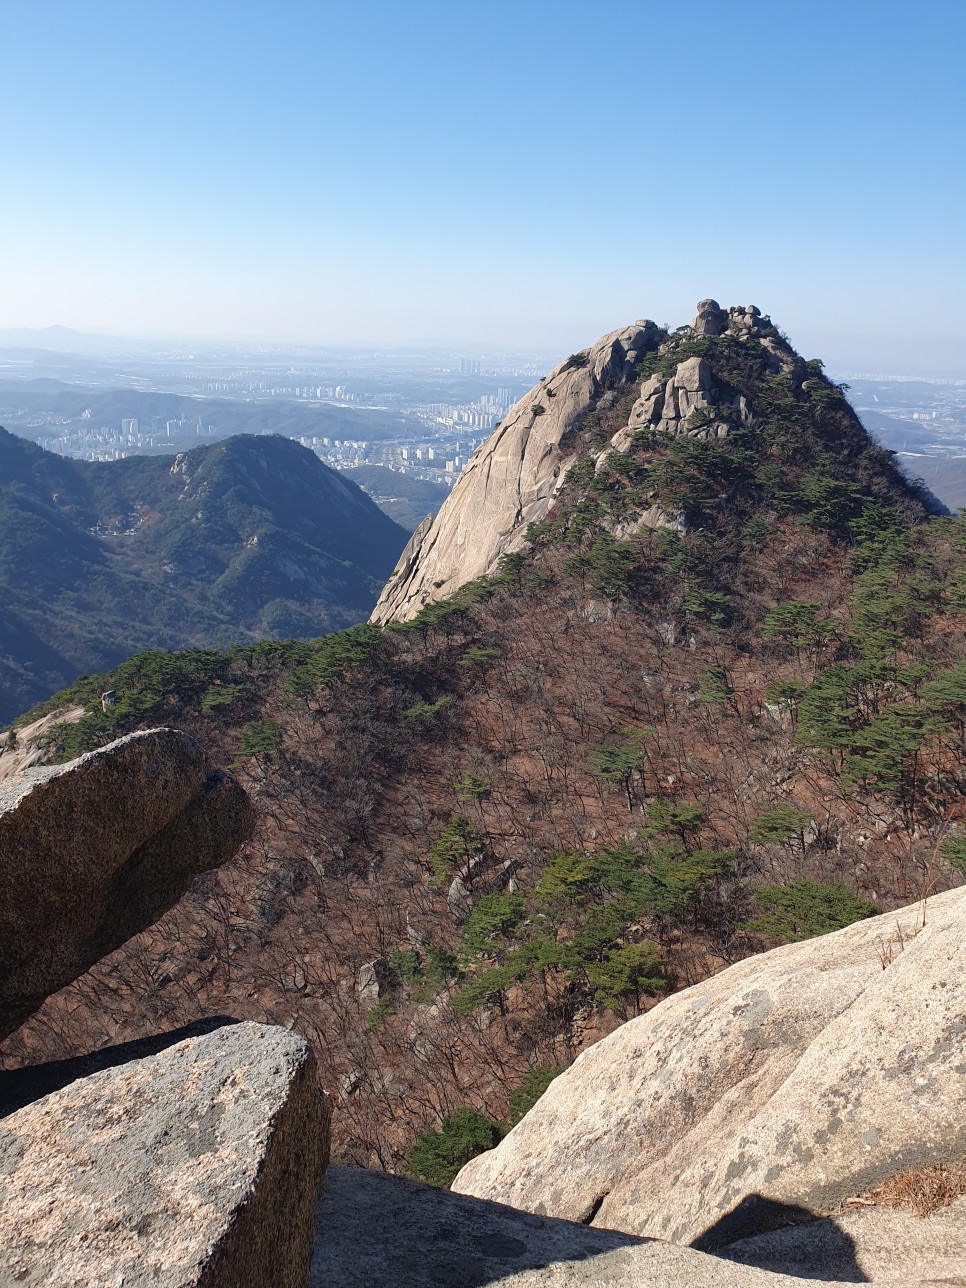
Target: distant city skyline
x,y
517,176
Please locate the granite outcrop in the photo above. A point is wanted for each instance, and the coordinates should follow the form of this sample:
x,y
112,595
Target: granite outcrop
x,y
513,479
378,1229
93,851
190,1160
791,1082
197,1165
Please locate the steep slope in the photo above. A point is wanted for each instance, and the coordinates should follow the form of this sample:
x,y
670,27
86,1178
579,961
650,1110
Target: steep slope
x,y
714,702
512,479
250,537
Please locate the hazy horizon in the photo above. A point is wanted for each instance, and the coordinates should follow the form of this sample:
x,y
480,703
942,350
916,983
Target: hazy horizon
x,y
522,179
835,358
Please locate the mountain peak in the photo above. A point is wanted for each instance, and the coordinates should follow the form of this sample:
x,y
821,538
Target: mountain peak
x,y
730,377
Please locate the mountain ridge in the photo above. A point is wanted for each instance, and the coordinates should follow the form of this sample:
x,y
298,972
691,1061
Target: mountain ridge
x,y
247,537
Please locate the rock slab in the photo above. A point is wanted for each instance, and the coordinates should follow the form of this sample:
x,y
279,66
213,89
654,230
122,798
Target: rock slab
x,y
199,1165
514,478
94,851
781,1087
376,1230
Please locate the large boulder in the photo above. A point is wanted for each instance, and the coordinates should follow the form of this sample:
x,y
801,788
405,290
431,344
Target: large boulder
x,y
200,1164
511,481
94,851
711,318
781,1087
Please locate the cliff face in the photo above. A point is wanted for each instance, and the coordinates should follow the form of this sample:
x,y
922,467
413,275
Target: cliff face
x,y
513,478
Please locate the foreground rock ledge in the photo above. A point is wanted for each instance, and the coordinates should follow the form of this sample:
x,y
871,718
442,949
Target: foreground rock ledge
x,y
200,1165
94,851
377,1231
782,1087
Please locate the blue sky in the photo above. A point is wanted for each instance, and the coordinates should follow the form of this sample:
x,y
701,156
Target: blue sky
x,y
526,174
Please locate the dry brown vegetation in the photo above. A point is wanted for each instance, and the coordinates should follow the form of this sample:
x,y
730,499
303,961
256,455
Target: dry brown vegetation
x,y
923,1189
597,709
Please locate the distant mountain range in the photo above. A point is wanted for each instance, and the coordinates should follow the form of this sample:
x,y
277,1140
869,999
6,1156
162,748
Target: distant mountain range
x,y
63,339
248,538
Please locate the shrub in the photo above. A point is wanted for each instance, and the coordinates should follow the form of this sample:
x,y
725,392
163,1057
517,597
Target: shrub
x,y
426,710
405,964
795,623
496,916
456,845
954,852
777,826
220,695
260,738
630,970
437,1156
478,657
803,909
715,687
471,787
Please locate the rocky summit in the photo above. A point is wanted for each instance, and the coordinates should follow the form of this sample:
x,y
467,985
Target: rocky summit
x,y
512,480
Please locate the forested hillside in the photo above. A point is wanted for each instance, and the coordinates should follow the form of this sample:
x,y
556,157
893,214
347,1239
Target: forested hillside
x,y
716,702
248,538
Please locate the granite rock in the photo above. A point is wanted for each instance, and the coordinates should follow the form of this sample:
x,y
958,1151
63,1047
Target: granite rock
x,y
688,405
198,1165
513,478
375,1229
711,318
94,851
794,1079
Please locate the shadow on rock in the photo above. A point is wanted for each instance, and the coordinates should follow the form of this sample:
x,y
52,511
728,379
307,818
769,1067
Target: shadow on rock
x,y
784,1237
20,1087
379,1229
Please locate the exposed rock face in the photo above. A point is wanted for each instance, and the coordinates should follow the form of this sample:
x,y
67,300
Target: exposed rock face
x,y
22,749
796,1079
688,405
875,1244
375,1229
200,1165
376,978
711,319
93,851
512,479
